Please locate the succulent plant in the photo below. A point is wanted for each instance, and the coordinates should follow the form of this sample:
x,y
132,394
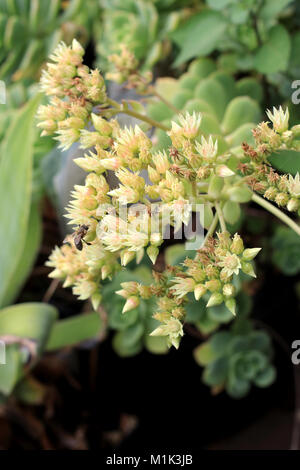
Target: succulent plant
x,y
234,362
29,30
143,26
230,109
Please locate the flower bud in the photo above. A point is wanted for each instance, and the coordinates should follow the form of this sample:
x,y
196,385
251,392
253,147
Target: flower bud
x,y
199,291
215,299
271,193
126,256
228,290
154,176
231,305
282,199
96,299
250,253
152,252
293,205
247,268
156,239
223,171
101,125
131,303
105,271
237,245
213,285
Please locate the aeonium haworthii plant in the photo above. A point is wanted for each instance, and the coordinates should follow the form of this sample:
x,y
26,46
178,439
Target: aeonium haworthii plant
x,y
192,172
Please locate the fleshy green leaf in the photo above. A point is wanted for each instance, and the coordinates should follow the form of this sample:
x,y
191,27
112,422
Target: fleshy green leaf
x,y
32,244
265,377
231,211
241,110
28,320
274,54
15,197
286,161
204,354
195,38
11,370
74,330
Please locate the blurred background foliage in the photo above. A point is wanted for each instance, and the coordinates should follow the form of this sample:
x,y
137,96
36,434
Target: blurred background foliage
x,y
229,59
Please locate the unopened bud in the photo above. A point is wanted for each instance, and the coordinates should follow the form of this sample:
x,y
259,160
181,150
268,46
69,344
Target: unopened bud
x,y
237,245
131,303
231,305
215,299
247,268
152,252
228,290
250,253
199,291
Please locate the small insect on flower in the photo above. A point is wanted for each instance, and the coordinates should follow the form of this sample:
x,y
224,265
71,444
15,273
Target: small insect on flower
x,y
79,235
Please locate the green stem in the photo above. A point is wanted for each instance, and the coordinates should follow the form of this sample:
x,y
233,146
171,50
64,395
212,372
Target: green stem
x,y
220,217
153,91
211,229
277,212
141,117
136,115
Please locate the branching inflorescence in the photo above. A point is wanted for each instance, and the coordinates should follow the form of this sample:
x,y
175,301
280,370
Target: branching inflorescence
x,y
123,222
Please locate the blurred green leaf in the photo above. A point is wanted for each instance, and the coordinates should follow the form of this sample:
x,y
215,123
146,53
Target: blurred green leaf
x,y
195,38
204,354
10,371
15,193
74,330
265,377
274,54
286,161
28,320
241,110
286,251
32,244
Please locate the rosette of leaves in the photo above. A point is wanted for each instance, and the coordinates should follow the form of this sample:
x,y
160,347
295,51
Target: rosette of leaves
x,y
230,109
132,330
29,30
143,26
234,360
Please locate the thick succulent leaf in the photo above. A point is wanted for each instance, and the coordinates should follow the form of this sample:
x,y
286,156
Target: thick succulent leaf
x,y
74,330
15,196
31,247
129,342
10,372
265,377
249,86
241,134
215,372
211,91
202,67
204,354
241,110
29,320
